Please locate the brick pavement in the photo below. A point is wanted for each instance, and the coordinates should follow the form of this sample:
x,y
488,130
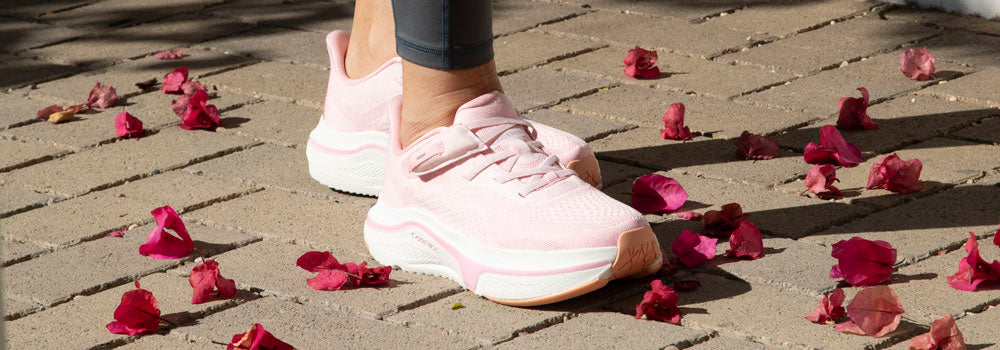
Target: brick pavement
x,y
773,68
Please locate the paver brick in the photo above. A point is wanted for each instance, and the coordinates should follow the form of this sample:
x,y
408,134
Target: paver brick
x,y
18,154
727,343
155,341
138,41
18,109
985,131
706,39
308,327
720,119
105,15
976,50
606,330
315,16
125,160
14,251
943,19
317,222
96,213
21,71
96,265
511,16
271,166
90,314
586,127
844,41
21,35
13,308
277,44
787,265
273,121
270,266
923,227
788,17
527,49
480,320
540,87
689,10
819,94
681,73
975,88
613,173
16,200
33,8
275,80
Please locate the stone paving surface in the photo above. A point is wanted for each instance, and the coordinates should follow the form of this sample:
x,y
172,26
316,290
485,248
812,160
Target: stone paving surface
x,y
771,67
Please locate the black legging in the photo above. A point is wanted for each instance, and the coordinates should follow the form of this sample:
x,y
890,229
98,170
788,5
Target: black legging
x,y
444,34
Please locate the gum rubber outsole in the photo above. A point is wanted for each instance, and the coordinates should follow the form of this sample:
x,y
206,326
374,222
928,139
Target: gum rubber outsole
x,y
588,170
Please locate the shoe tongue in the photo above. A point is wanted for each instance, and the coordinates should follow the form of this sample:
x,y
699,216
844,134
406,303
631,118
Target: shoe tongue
x,y
490,105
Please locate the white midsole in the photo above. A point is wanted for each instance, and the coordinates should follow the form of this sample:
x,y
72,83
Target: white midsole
x,y
347,161
397,236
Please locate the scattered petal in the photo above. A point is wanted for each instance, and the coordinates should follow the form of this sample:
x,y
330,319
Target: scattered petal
x,y
673,124
692,249
190,87
198,114
833,149
854,112
725,221
685,286
136,313
861,262
689,215
641,64
44,113
875,311
917,64
660,304
128,126
180,105
257,339
170,54
944,335
102,96
116,234
656,194
751,146
332,275
820,179
830,308
56,114
173,81
205,278
162,245
457,306
896,175
996,237
746,241
973,271
668,267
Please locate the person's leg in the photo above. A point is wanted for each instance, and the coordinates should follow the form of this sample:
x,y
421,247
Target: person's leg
x,y
373,37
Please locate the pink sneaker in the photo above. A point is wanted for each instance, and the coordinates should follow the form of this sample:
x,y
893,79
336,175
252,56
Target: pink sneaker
x,y
346,150
479,202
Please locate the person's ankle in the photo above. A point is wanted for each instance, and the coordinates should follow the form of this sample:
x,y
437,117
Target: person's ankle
x,y
373,38
434,97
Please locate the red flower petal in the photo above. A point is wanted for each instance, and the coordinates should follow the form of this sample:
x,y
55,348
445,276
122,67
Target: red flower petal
x,y
655,194
692,249
996,238
861,262
751,146
673,124
725,221
640,63
328,280
315,261
854,112
746,241
830,308
689,215
102,96
660,304
180,105
257,339
973,270
190,87
173,81
944,335
332,275
820,179
205,279
163,245
686,286
896,175
875,311
136,313
917,64
198,114
833,149
115,234
170,54
128,126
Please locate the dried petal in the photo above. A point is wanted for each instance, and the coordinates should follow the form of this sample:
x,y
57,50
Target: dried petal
x,y
875,312
173,81
655,194
198,114
136,313
56,113
163,245
102,96
996,237
205,278
332,275
973,271
692,249
257,339
128,126
689,215
861,262
673,124
725,221
170,54
896,175
830,308
180,105
660,304
820,179
116,234
833,149
917,64
190,87
944,335
746,241
44,113
751,146
640,63
854,112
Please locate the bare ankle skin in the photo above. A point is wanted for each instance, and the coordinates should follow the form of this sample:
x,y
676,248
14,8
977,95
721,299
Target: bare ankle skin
x,y
432,96
373,38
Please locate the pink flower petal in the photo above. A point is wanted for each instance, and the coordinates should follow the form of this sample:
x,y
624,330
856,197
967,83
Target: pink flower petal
x,y
861,262
673,124
170,54
723,222
917,64
854,112
257,339
162,245
205,278
116,234
128,126
655,194
751,146
198,114
692,249
896,175
875,311
830,308
944,335
102,96
689,215
833,149
332,275
973,271
996,237
640,63
746,241
660,304
173,81
820,179
136,313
